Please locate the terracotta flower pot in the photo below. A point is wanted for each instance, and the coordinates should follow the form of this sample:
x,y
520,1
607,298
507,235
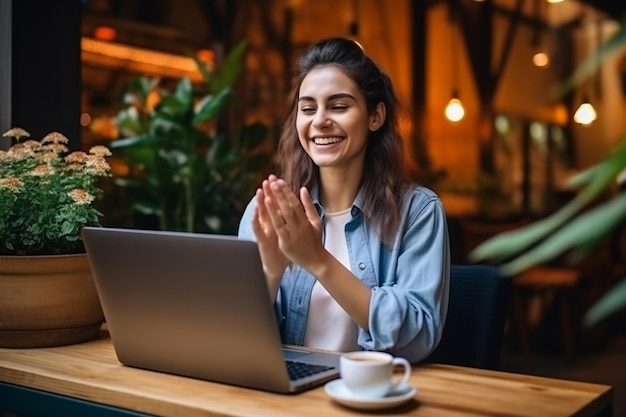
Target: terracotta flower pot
x,y
47,301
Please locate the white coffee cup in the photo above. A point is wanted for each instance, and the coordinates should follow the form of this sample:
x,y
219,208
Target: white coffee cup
x,y
370,374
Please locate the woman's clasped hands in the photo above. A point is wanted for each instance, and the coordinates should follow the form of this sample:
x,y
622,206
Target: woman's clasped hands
x,y
287,227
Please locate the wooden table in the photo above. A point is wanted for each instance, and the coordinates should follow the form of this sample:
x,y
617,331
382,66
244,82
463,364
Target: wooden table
x,y
89,375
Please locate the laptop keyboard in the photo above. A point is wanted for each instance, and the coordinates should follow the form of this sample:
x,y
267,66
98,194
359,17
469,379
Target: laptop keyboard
x,y
299,370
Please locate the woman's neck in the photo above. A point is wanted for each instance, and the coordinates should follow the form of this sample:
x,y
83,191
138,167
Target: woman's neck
x,y
337,189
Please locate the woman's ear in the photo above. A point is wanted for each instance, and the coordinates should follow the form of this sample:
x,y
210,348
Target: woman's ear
x,y
377,117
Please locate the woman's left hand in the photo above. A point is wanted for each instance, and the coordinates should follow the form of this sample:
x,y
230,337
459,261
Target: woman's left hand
x,y
296,223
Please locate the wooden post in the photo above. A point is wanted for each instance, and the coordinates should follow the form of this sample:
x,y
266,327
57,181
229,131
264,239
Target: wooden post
x,y
45,66
418,53
5,73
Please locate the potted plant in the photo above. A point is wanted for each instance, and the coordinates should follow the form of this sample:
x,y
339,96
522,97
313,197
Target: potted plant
x,y
189,166
47,296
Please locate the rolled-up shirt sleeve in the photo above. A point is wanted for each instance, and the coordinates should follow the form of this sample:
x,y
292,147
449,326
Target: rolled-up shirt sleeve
x,y
245,223
408,307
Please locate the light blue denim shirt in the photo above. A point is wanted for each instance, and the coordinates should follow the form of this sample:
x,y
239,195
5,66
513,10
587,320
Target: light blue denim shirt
x,y
409,281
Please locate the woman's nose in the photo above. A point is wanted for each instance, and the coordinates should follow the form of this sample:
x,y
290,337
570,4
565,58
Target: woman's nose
x,y
321,119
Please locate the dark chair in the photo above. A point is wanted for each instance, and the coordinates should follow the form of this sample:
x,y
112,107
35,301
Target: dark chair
x,y
474,328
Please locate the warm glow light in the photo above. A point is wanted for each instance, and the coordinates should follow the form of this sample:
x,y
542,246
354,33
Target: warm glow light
x,y
105,33
206,55
147,61
555,1
85,119
541,59
502,124
560,113
585,114
539,132
454,110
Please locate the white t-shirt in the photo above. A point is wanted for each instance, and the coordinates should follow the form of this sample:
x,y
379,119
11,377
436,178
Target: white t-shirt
x,y
329,326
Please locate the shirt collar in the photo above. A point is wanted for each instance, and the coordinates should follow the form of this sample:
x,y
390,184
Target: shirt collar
x,y
357,205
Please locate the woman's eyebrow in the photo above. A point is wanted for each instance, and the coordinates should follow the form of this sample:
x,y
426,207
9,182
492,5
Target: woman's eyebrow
x,y
330,98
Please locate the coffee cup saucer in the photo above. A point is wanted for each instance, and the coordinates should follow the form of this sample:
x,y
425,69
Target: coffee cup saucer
x,y
337,390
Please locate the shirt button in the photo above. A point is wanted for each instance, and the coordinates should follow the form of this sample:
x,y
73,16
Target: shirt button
x,y
361,266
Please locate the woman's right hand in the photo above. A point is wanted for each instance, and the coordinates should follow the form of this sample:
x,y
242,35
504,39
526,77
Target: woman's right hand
x,y
273,259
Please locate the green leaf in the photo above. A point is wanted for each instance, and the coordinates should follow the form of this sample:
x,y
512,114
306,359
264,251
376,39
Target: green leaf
x,y
180,102
225,76
590,226
210,106
205,70
213,222
583,178
593,61
161,123
148,208
143,158
138,90
611,302
184,92
174,158
507,244
128,122
603,174
134,141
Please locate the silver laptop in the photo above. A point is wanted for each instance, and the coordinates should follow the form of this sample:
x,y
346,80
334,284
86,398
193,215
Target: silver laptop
x,y
196,305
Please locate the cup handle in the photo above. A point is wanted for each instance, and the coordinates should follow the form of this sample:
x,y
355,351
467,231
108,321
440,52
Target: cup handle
x,y
407,371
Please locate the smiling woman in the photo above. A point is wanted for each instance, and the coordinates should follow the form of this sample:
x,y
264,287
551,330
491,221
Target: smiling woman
x,y
356,257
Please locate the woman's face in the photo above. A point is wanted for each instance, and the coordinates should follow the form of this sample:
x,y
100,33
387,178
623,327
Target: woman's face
x,y
332,120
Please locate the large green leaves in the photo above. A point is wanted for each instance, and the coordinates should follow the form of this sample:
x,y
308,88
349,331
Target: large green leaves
x,y
506,245
571,230
185,169
579,235
579,226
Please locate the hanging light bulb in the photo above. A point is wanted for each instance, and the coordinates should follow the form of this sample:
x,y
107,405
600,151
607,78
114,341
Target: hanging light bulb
x,y
541,57
585,114
454,110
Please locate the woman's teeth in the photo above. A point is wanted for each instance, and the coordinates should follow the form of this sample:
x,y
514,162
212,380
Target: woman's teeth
x,y
327,141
